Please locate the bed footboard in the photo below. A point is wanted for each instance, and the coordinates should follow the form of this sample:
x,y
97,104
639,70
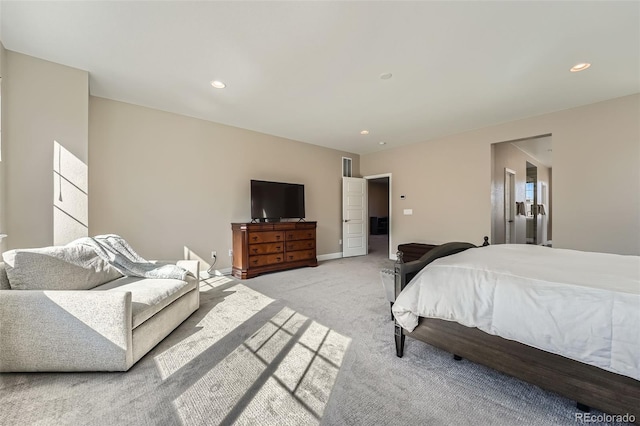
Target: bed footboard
x,y
589,386
404,272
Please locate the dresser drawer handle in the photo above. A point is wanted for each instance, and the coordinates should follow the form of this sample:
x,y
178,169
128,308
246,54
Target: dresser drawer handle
x,y
255,238
278,259
255,250
290,257
277,237
255,262
278,248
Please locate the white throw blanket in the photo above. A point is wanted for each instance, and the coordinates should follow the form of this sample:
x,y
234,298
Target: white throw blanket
x,y
115,250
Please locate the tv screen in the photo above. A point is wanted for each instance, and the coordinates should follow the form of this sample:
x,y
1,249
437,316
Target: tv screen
x,y
276,200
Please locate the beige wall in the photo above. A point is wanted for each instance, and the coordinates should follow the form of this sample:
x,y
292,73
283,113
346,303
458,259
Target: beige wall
x,y
447,181
506,155
42,103
550,197
438,181
3,223
165,181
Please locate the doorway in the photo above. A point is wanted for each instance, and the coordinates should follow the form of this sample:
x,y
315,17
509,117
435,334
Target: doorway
x,y
531,203
509,206
379,207
525,164
545,227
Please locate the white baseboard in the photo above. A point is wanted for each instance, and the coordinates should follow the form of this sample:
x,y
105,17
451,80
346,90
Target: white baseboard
x,y
216,273
338,255
329,256
223,271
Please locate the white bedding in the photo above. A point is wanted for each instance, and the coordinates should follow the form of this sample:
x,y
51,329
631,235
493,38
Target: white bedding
x,y
584,306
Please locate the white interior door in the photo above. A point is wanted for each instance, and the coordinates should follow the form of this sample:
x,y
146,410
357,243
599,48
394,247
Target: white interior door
x,y
354,214
543,217
509,206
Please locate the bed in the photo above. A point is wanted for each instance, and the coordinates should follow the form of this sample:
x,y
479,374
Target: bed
x,y
564,320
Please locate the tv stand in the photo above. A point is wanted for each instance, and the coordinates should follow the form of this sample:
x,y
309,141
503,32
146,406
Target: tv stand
x,y
272,246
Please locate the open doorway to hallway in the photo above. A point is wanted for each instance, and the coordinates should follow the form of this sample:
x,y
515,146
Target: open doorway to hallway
x,y
379,206
521,189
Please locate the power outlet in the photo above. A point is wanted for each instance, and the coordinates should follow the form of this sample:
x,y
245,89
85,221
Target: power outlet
x,y
230,252
214,254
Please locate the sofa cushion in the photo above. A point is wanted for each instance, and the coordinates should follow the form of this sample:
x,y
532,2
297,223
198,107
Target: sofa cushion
x,y
149,295
71,267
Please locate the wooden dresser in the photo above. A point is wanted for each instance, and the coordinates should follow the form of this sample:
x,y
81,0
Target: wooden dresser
x,y
272,246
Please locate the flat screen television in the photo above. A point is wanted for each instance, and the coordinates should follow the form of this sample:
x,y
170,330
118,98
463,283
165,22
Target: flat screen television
x,y
273,201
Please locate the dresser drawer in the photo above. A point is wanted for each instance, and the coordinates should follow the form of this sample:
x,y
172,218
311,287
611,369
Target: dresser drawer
x,y
300,245
300,255
301,234
265,237
265,248
266,259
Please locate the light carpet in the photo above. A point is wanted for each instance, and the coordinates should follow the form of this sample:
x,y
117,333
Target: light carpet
x,y
301,347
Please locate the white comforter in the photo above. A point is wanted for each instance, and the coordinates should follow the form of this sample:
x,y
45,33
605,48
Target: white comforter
x,y
584,306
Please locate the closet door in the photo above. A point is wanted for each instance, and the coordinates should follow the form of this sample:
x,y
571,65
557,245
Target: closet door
x,y
354,212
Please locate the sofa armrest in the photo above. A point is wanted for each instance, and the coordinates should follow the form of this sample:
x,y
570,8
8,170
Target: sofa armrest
x,y
78,330
193,266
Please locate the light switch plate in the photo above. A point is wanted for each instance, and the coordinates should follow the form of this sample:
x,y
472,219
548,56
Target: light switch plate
x,y
408,212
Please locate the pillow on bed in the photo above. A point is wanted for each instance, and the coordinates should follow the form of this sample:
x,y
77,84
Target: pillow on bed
x,y
72,267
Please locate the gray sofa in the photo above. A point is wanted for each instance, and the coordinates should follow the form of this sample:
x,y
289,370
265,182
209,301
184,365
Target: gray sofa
x,y
108,327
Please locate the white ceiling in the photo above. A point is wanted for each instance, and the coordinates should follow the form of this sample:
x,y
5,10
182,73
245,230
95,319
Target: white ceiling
x,y
309,71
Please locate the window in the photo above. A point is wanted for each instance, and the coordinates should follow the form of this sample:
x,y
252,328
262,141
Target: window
x,y
529,191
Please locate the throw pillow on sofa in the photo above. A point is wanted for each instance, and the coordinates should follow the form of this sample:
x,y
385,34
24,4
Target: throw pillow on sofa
x,y
71,267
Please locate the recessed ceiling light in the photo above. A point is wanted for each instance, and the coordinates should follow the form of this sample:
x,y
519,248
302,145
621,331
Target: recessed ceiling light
x,y
382,143
386,75
218,84
364,132
580,67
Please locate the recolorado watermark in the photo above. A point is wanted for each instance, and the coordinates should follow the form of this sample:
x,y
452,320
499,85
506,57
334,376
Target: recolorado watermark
x,y
604,418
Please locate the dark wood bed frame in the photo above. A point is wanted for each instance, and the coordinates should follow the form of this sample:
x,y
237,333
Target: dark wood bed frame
x,y
589,386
